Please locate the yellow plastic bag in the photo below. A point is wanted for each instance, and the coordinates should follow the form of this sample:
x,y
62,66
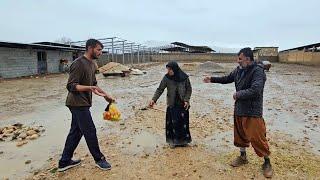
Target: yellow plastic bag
x,y
112,113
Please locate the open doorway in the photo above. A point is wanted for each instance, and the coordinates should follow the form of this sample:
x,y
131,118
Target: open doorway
x,y
42,62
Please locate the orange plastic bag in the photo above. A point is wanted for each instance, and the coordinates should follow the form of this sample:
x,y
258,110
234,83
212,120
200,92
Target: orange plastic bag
x,y
112,113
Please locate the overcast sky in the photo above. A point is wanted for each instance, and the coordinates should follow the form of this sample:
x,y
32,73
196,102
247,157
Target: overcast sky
x,y
224,23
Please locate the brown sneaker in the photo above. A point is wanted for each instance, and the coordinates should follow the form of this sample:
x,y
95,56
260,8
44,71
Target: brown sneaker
x,y
267,170
239,161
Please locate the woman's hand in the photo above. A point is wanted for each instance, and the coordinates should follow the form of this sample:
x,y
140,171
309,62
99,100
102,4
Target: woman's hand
x,y
152,103
186,105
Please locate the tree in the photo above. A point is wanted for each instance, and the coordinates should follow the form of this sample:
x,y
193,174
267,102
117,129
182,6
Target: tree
x,y
63,40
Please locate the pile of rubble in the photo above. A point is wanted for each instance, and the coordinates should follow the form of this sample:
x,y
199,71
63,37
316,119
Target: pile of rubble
x,y
211,67
190,66
20,133
117,69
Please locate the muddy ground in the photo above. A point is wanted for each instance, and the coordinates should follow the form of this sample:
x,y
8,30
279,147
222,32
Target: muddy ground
x,y
135,146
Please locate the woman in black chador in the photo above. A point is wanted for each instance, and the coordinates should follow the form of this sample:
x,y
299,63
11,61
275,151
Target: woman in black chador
x,y
178,102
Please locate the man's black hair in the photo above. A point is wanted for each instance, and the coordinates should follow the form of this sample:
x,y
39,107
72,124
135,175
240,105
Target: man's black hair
x,y
247,52
93,43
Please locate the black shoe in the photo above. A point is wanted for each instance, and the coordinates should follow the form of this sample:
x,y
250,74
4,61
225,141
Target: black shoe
x,y
65,166
182,145
103,165
267,170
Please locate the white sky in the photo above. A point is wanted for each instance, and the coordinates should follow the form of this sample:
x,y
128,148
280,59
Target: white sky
x,y
224,23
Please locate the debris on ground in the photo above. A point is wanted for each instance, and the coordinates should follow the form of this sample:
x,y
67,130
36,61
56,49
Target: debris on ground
x,y
149,83
211,67
137,72
114,69
20,133
117,69
189,66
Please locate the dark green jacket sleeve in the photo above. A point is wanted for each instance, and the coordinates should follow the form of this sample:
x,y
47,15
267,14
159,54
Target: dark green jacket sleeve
x,y
188,91
160,89
225,79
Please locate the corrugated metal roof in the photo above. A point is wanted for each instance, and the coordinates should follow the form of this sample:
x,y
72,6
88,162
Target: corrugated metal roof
x,y
303,47
194,48
39,46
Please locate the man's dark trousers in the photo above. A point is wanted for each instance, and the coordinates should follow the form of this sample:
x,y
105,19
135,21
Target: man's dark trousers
x,y
81,125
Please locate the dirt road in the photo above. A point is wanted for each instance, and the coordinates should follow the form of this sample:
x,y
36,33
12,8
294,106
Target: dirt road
x,y
136,147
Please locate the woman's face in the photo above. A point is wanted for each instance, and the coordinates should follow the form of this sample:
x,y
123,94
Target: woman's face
x,y
170,71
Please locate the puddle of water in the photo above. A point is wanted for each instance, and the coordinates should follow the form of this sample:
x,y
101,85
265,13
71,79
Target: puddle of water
x,y
143,143
294,125
219,142
56,119
38,151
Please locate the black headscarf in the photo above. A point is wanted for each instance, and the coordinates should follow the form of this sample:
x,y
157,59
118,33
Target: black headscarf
x,y
179,75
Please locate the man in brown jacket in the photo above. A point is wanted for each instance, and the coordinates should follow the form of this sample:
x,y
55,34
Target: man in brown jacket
x,y
81,84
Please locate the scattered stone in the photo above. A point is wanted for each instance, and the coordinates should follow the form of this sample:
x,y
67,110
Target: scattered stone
x,y
23,135
42,174
28,162
18,125
14,137
21,143
54,170
35,136
28,137
31,132
9,131
36,130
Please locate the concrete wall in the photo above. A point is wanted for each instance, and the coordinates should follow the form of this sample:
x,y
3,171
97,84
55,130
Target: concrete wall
x,y
268,58
267,51
16,62
201,57
300,57
266,54
165,57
